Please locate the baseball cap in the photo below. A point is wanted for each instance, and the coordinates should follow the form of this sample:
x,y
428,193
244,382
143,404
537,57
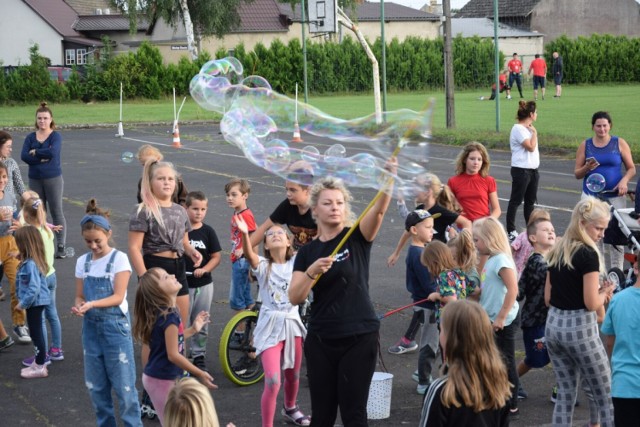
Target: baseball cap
x,y
417,216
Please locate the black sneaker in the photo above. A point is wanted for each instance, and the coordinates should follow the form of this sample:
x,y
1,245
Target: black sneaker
x,y
199,362
245,366
6,343
63,252
514,414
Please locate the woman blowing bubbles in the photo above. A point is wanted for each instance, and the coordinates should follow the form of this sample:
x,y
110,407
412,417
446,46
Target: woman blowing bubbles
x,y
342,339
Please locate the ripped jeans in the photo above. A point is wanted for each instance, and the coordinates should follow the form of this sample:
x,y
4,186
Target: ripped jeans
x,y
109,365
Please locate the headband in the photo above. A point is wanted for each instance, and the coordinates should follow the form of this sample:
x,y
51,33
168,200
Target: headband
x,y
98,220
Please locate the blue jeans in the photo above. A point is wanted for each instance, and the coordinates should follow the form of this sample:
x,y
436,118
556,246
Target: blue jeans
x,y
109,363
51,315
240,291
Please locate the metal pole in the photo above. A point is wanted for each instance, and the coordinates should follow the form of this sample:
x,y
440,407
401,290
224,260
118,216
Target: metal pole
x,y
448,66
304,52
384,58
497,64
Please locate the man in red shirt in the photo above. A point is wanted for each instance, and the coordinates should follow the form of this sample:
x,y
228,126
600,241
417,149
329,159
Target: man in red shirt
x,y
539,68
515,73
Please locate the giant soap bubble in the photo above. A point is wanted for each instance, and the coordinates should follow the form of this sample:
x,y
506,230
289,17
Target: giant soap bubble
x,y
596,183
256,118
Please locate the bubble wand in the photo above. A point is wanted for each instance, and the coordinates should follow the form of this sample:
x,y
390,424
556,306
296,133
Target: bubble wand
x,y
403,141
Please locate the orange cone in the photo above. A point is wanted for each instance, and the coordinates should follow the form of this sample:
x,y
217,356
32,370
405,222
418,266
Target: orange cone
x,y
296,133
176,137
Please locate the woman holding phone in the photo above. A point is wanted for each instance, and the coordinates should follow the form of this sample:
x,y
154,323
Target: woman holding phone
x,y
605,154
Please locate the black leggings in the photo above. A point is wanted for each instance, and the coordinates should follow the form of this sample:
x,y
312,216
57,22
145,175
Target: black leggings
x,y
340,372
175,266
34,320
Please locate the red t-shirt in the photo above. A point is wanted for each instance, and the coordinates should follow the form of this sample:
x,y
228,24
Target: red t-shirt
x,y
472,192
539,67
236,235
515,65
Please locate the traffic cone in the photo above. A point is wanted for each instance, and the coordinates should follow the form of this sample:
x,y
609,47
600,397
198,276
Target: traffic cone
x,y
176,136
296,133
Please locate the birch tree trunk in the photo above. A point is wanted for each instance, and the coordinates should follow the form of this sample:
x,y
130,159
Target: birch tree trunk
x,y
188,26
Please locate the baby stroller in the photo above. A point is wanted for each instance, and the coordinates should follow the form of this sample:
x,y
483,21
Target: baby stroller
x,y
624,230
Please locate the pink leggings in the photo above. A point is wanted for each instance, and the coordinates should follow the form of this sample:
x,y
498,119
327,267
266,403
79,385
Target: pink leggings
x,y
271,358
158,391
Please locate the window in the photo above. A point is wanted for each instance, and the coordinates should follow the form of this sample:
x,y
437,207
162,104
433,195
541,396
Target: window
x,y
70,56
82,56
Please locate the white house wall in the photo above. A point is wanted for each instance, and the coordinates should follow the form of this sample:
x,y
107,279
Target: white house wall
x,y
21,29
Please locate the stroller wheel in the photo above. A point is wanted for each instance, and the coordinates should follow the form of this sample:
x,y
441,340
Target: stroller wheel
x,y
616,277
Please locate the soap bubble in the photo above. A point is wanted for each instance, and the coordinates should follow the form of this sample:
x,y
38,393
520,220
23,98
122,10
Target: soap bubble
x,y
256,119
596,183
127,157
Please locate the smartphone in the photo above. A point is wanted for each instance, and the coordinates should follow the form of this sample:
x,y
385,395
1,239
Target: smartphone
x,y
592,159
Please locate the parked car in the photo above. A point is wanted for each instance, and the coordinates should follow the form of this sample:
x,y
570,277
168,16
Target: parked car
x,y
60,74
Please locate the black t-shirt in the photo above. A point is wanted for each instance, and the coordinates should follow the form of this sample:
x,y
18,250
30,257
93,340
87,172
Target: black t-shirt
x,y
567,285
435,414
303,227
441,223
205,241
341,304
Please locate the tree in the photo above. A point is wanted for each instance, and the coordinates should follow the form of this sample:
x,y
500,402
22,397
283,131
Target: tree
x,y
201,18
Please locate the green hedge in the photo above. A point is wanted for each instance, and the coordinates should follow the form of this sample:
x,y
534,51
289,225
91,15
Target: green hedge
x,y
414,64
601,58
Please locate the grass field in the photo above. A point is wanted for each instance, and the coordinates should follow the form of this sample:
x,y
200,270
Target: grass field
x,y
562,123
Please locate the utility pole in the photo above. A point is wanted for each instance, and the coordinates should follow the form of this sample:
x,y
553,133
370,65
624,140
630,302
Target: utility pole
x,y
448,64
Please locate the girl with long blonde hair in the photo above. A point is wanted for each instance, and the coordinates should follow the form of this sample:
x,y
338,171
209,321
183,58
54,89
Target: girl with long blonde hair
x,y
574,294
474,389
499,290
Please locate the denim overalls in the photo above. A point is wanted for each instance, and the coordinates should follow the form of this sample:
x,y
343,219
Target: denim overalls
x,y
108,352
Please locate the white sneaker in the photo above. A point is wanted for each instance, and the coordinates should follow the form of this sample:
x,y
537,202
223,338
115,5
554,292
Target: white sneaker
x,y
513,236
509,97
22,333
35,371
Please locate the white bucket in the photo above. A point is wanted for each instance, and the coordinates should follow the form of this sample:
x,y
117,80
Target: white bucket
x,y
379,402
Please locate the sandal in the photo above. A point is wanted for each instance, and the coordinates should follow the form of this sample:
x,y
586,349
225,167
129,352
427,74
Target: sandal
x,y
296,416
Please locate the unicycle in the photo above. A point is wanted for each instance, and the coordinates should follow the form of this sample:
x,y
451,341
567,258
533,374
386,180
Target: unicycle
x,y
237,353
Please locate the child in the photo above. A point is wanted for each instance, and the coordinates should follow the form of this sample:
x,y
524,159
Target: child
x,y
451,282
158,234
420,284
474,389
294,212
15,184
33,294
418,280
279,331
158,230
189,404
205,240
157,324
621,337
9,262
499,291
464,254
33,214
237,191
150,153
521,246
102,276
542,237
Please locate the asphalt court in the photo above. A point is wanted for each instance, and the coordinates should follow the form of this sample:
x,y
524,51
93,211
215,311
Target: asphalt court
x,y
93,167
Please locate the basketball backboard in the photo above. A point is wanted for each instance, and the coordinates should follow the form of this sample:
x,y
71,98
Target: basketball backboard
x,y
322,16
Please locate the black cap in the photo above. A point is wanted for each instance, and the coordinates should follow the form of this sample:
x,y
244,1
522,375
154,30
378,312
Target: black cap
x,y
417,216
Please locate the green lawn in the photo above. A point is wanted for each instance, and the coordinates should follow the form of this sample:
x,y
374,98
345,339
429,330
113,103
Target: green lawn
x,y
562,123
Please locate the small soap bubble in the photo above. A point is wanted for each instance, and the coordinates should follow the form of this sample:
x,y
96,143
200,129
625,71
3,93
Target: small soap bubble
x,y
127,157
336,151
596,183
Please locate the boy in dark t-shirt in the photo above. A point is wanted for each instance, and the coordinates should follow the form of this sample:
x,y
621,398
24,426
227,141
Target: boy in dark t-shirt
x,y
204,239
542,236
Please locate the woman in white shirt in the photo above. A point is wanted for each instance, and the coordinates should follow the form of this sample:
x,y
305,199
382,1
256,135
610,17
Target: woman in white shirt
x,y
525,160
